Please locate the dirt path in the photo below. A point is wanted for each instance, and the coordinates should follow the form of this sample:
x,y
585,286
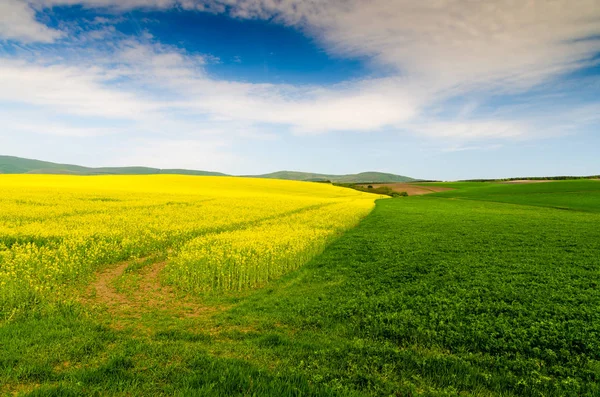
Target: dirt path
x,y
102,290
130,295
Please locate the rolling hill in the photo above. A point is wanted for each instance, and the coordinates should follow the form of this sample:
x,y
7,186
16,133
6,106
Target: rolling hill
x,y
363,177
18,165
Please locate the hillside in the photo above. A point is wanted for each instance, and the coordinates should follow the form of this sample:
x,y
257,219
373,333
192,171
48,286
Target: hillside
x,y
17,165
363,177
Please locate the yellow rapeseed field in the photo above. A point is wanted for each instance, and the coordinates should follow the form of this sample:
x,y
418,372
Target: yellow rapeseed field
x,y
222,233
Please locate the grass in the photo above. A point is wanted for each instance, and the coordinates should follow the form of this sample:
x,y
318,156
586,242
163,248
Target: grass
x,y
485,290
580,195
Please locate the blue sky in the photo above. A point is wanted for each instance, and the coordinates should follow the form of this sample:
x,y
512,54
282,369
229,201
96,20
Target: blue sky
x,y
445,90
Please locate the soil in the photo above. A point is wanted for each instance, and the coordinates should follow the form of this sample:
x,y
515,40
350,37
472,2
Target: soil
x,y
104,291
142,297
411,189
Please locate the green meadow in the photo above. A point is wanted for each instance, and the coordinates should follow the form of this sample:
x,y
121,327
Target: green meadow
x,y
489,289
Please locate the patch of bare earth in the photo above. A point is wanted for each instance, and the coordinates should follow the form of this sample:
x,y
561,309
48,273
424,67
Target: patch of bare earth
x,y
101,290
409,188
147,295
18,389
519,181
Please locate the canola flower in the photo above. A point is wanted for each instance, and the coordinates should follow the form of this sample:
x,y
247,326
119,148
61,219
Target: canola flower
x,y
225,234
249,258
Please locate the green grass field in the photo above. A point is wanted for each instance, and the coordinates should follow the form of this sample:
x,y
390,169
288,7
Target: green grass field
x,y
487,290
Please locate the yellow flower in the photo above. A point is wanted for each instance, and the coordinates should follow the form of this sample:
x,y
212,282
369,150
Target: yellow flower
x,y
224,233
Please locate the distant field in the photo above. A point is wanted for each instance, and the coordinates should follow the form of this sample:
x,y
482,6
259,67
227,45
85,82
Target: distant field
x,y
488,289
412,189
583,195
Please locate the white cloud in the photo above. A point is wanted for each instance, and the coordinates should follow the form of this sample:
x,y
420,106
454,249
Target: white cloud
x,y
157,81
355,107
170,153
30,123
444,44
165,91
18,22
477,129
68,89
449,43
436,50
461,148
117,4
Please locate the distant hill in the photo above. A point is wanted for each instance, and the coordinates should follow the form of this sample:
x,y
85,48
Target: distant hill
x,y
363,177
17,165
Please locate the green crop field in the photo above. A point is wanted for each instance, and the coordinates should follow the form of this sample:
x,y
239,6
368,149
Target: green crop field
x,y
580,195
486,290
